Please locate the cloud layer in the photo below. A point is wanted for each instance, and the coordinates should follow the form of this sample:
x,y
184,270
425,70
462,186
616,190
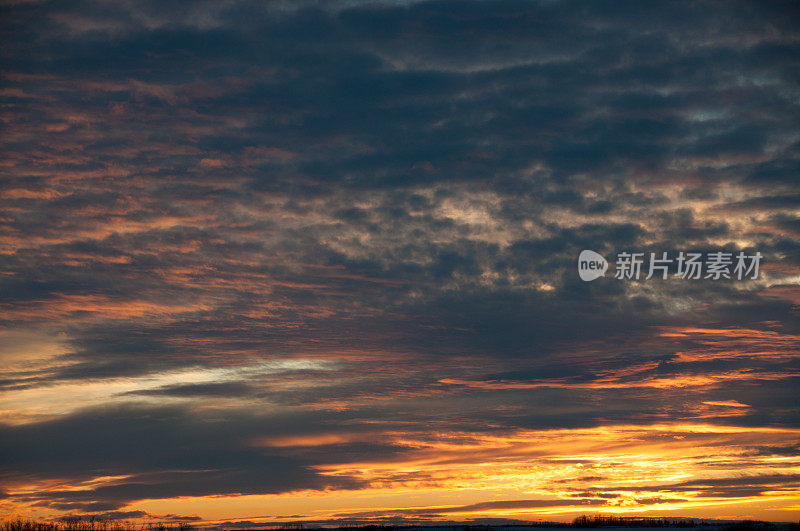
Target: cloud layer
x,y
275,261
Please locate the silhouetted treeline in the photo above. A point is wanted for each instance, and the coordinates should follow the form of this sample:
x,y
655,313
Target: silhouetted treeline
x,y
621,521
89,524
98,524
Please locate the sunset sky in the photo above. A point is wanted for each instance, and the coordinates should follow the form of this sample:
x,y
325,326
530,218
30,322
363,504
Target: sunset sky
x,y
282,261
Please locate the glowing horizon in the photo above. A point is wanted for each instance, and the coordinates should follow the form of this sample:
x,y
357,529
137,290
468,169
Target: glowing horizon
x,y
318,262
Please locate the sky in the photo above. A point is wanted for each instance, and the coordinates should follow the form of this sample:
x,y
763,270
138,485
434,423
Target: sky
x,y
283,261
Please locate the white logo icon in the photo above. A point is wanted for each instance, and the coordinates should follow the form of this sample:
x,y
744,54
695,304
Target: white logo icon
x,y
591,265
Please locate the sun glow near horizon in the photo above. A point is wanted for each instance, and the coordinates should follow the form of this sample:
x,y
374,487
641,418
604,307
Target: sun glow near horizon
x,y
321,261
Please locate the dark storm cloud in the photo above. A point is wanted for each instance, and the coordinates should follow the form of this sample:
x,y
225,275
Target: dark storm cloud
x,y
227,389
171,452
350,90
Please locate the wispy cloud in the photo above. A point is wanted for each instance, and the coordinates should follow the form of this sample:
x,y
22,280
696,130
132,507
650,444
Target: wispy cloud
x,y
316,260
